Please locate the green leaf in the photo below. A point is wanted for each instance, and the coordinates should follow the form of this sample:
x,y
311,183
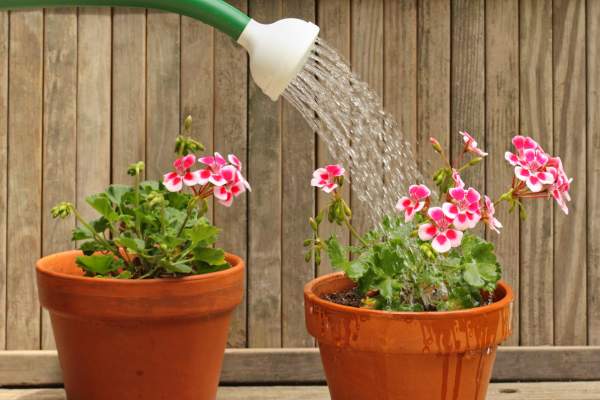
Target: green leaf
x,y
124,275
101,203
472,275
115,192
210,256
385,287
336,254
483,253
202,233
99,264
100,225
357,268
81,233
134,244
181,268
91,247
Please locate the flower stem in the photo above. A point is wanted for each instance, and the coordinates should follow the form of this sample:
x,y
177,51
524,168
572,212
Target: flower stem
x,y
354,232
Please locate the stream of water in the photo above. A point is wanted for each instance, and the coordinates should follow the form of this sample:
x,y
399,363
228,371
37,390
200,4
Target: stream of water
x,y
359,134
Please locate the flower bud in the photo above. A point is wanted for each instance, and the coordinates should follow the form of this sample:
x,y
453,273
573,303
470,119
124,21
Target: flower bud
x,y
308,256
313,224
436,145
317,258
136,169
475,161
307,242
347,211
187,124
62,210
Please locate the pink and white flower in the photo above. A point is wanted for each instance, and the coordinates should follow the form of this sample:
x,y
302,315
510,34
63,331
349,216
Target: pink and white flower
x,y
325,178
440,231
235,185
561,185
488,215
417,196
212,172
463,208
535,180
174,181
471,144
458,182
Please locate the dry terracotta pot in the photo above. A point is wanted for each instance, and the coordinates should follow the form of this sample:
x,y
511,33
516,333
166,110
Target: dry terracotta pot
x,y
139,339
372,354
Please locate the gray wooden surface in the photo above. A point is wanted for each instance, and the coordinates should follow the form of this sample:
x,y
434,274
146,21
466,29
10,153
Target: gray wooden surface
x,y
497,391
85,92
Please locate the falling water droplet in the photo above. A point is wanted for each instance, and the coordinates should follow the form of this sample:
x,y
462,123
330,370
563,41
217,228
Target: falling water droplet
x,y
350,119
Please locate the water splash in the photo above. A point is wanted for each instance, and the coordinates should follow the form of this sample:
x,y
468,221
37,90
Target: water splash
x,y
349,117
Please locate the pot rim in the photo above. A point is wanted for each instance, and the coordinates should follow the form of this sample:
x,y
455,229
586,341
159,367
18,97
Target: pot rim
x,y
311,297
42,267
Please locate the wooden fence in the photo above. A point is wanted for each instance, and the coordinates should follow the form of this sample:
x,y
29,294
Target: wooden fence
x,y
85,92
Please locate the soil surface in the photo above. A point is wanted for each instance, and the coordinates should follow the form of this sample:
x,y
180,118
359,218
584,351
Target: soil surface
x,y
349,297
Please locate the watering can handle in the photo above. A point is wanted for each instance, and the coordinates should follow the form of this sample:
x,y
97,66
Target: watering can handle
x,y
216,13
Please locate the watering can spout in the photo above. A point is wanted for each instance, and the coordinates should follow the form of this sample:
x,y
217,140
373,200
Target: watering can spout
x,y
278,51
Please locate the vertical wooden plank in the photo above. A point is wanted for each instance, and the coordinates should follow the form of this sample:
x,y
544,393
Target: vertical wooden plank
x,y
264,258
128,91
400,66
569,57
593,170
468,84
502,123
298,200
536,243
3,168
231,136
60,135
24,178
335,24
197,78
197,81
163,94
93,105
433,86
367,62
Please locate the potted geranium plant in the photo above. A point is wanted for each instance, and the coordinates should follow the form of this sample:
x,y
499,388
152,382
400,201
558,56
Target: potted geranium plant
x,y
142,310
418,308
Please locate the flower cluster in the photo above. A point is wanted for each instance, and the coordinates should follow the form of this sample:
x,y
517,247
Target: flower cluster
x,y
540,174
220,177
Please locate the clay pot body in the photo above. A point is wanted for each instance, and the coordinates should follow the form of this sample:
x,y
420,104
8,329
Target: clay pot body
x,y
131,339
371,354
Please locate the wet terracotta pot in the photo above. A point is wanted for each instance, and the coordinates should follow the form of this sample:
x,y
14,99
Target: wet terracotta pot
x,y
371,354
148,340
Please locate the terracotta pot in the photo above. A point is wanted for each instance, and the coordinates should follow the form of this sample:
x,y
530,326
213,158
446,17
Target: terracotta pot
x,y
371,354
131,339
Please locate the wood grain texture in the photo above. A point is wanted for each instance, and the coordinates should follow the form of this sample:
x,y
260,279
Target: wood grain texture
x,y
163,68
24,178
367,62
468,87
334,21
93,105
197,82
295,366
535,110
502,123
593,169
433,82
231,136
128,91
400,65
264,215
60,135
4,32
298,202
569,57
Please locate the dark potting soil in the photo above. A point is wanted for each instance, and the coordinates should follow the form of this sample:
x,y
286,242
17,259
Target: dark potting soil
x,y
350,297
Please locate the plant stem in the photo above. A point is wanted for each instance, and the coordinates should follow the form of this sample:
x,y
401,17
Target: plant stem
x,y
354,232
